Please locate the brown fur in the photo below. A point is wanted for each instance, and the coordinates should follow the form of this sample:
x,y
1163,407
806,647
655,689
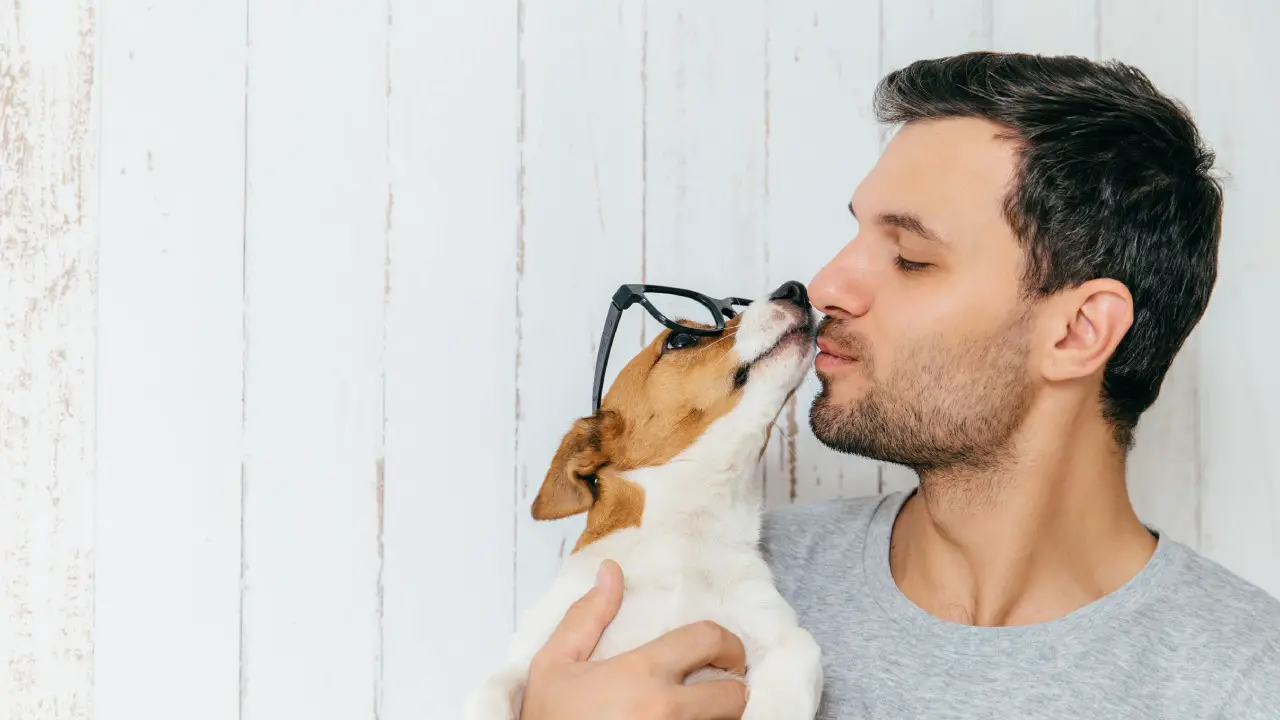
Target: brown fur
x,y
660,403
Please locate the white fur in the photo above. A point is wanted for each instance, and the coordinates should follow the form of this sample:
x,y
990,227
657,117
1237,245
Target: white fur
x,y
695,555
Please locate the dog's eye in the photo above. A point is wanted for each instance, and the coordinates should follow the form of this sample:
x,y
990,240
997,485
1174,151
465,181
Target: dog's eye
x,y
676,341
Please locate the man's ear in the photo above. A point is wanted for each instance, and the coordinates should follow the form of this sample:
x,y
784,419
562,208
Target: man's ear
x,y
1095,317
570,484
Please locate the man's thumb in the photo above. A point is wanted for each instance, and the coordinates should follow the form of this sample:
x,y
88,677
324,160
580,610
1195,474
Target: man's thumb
x,y
585,620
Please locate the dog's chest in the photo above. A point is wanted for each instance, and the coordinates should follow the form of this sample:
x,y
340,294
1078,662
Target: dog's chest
x,y
659,597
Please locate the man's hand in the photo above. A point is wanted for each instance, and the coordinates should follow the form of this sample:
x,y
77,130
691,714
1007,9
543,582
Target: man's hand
x,y
644,683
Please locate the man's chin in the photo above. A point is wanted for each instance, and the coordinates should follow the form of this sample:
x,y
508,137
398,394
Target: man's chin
x,y
850,427
831,423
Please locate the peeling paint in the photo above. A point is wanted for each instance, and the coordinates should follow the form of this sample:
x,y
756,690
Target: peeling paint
x,y
595,177
380,474
244,588
380,466
386,265
48,257
520,224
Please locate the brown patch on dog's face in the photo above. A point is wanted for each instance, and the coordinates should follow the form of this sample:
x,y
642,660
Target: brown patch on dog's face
x,y
660,403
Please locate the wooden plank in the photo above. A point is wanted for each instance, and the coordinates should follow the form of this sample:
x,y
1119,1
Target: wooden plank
x,y
1163,473
167,556
1239,389
706,131
49,114
581,235
1046,27
315,279
820,68
450,214
917,30
705,134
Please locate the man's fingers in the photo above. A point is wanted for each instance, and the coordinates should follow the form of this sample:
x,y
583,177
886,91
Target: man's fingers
x,y
691,647
584,622
711,700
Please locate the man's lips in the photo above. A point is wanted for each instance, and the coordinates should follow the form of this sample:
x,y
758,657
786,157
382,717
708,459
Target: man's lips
x,y
827,347
831,357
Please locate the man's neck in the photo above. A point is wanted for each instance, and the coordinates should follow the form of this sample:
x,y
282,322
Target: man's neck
x,y
1027,543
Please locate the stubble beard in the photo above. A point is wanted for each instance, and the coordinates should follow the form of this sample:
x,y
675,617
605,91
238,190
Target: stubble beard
x,y
946,411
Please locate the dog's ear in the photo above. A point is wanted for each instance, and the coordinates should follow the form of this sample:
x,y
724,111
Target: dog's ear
x,y
570,485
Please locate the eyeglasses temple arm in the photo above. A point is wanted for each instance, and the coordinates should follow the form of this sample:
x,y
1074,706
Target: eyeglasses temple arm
x,y
602,355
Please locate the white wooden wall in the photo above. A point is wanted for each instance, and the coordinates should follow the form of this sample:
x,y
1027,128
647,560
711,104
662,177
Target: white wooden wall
x,y
298,299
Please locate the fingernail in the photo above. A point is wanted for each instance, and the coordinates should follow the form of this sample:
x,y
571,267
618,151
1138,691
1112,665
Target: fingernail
x,y
600,575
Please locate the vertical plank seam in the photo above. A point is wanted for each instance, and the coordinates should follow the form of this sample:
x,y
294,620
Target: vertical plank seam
x,y
882,135
519,313
1196,423
244,366
97,88
881,132
764,243
768,122
380,466
790,445
644,153
1097,30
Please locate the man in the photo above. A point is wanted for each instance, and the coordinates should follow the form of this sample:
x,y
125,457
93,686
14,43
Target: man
x,y
1034,246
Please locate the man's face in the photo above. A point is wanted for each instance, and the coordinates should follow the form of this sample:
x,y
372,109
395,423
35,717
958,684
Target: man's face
x,y
927,339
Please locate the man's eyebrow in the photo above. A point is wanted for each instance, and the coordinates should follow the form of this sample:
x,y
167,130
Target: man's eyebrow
x,y
906,221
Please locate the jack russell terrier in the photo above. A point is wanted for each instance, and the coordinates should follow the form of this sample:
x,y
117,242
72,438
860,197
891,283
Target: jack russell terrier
x,y
664,470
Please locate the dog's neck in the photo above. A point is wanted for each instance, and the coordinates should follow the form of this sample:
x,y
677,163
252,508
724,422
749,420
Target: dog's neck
x,y
709,488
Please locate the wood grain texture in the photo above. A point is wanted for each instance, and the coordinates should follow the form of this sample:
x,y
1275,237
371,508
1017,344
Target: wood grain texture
x,y
581,234
451,217
170,355
1046,27
49,112
821,65
919,30
315,276
1239,388
309,361
705,135
706,132
1163,473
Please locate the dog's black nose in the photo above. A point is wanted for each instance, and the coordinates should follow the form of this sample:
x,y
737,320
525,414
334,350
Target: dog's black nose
x,y
793,292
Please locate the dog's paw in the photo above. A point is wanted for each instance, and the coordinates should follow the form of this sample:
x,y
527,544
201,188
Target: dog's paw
x,y
787,683
767,701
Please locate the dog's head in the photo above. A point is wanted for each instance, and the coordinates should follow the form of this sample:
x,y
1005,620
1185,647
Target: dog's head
x,y
708,400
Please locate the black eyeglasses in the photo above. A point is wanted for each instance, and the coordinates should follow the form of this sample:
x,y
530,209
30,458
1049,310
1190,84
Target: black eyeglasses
x,y
709,311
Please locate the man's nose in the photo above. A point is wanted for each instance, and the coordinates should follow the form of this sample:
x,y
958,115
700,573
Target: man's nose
x,y
838,288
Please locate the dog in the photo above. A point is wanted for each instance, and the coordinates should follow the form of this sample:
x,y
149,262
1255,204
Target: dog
x,y
664,471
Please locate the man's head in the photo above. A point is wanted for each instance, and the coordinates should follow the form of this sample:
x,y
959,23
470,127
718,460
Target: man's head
x,y
1040,231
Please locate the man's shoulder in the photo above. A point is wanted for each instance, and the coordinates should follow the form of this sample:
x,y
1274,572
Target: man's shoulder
x,y
1208,593
797,535
1230,624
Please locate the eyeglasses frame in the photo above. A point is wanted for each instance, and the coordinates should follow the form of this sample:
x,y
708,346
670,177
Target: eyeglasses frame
x,y
629,294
